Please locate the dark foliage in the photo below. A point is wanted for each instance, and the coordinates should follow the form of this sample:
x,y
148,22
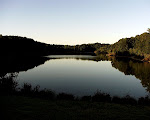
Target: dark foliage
x,y
26,89
46,94
138,46
86,98
144,100
22,46
8,84
129,100
101,97
15,45
65,96
116,99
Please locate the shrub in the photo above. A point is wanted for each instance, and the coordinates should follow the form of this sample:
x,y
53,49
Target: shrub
x,y
129,100
65,96
101,97
86,98
144,100
8,84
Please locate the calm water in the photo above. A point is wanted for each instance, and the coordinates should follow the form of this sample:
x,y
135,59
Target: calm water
x,y
84,75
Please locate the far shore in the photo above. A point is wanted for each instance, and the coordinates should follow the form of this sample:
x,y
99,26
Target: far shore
x,y
131,57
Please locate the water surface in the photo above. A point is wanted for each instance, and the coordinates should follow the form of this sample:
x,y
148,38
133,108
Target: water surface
x,y
84,75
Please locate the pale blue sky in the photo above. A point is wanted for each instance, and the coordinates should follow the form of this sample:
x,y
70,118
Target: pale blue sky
x,y
74,21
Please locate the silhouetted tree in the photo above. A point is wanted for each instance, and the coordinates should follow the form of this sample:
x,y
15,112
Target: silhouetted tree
x,y
148,30
8,84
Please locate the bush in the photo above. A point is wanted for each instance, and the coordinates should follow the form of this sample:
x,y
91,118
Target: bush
x,y
116,99
101,97
144,101
48,94
64,96
26,89
129,100
86,98
8,84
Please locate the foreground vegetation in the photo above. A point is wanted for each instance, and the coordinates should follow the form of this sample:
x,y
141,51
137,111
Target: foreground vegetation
x,y
26,108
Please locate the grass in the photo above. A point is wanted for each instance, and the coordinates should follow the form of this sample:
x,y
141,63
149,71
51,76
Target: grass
x,y
28,108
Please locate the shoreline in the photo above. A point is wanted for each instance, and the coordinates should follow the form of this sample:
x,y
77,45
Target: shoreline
x,y
131,57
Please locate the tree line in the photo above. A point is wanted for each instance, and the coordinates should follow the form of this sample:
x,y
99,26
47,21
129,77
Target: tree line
x,y
138,46
16,45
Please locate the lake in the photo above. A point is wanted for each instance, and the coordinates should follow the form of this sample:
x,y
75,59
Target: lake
x,y
85,75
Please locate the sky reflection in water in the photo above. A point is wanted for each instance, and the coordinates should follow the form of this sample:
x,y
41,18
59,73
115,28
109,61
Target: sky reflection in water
x,y
77,75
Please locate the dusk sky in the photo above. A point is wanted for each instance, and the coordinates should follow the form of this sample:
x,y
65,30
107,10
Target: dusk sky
x,y
74,21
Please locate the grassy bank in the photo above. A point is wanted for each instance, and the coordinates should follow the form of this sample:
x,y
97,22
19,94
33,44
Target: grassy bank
x,y
27,108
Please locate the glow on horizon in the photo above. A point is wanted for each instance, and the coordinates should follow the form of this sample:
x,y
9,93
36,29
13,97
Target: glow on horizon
x,y
74,21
